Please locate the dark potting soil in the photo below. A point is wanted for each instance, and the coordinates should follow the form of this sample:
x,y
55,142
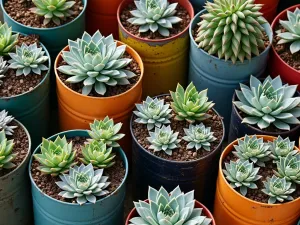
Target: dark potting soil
x,y
19,10
111,90
133,29
15,85
47,183
182,153
20,148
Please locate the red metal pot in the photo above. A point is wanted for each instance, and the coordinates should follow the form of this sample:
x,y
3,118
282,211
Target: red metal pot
x,y
269,8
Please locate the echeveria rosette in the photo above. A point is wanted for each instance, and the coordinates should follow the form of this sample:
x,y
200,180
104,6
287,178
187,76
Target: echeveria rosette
x,y
154,15
97,62
164,209
84,184
5,120
8,40
281,148
269,103
3,68
153,112
6,154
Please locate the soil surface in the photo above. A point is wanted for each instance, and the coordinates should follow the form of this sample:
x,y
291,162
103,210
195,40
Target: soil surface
x,y
47,183
182,153
19,10
134,29
20,148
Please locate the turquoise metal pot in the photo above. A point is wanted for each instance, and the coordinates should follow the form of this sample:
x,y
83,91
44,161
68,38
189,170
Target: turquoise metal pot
x,y
15,201
221,77
107,211
198,4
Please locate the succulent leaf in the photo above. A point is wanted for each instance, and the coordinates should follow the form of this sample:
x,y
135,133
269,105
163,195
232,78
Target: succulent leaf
x,y
4,121
7,39
6,155
3,68
281,148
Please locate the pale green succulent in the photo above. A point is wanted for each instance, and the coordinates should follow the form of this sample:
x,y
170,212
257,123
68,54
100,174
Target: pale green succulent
x,y
292,34
154,15
5,120
8,40
198,136
97,154
163,139
164,209
190,105
269,103
6,155
153,112
106,131
84,184
3,68
278,189
56,157
28,59
96,62
281,148
53,10
241,174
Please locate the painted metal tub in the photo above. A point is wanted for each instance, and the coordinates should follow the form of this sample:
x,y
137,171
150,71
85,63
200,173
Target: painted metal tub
x,y
15,201
165,60
106,211
221,77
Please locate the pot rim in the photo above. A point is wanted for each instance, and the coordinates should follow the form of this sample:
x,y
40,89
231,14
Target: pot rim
x,y
216,58
173,161
120,151
139,61
229,148
122,5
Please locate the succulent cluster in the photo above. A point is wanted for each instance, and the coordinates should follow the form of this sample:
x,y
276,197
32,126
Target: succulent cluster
x,y
281,148
6,155
5,120
7,39
3,68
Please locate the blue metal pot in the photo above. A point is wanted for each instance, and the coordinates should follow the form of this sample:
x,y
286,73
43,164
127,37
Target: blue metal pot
x,y
198,4
106,211
15,200
221,77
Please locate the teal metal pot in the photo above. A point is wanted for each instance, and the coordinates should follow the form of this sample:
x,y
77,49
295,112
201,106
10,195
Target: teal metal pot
x,y
106,211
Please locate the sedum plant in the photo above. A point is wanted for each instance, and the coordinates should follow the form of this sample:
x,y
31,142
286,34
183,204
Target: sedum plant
x,y
268,103
56,157
190,105
3,68
281,148
198,136
53,10
106,131
6,154
278,189
7,39
163,139
4,121
84,184
154,15
164,209
153,112
28,59
97,154
241,174
96,61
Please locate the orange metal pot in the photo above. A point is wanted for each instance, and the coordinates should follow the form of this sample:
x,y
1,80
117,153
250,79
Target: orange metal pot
x,y
231,208
269,9
77,111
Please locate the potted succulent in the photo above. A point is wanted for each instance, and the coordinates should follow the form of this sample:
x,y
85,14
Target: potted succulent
x,y
258,182
284,59
15,145
178,145
217,64
158,31
107,82
78,179
24,80
268,108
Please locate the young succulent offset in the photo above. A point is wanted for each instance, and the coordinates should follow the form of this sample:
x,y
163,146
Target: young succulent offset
x,y
56,157
153,112
7,39
281,148
241,174
4,121
199,137
3,68
154,15
269,103
96,61
6,155
84,184
190,105
164,209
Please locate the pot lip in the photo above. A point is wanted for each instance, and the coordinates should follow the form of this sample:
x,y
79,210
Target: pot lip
x,y
43,29
274,23
216,58
120,151
121,6
173,161
139,61
27,155
229,148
